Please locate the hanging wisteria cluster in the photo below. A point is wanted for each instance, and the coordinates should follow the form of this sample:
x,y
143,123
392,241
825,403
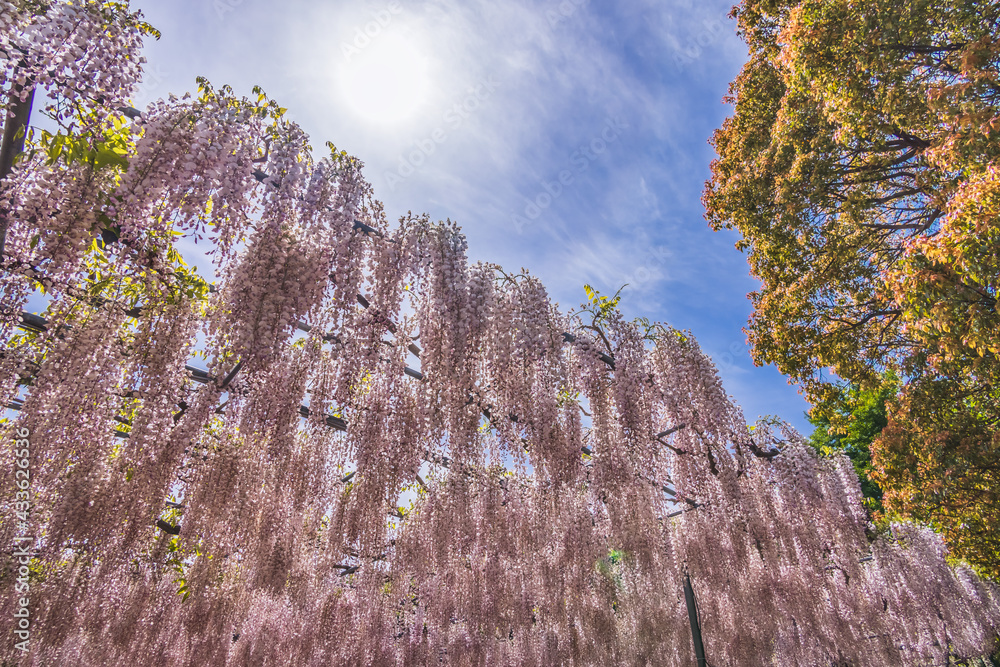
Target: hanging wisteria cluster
x,y
562,475
79,50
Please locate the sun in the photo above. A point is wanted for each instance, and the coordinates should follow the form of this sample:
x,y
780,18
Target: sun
x,y
386,82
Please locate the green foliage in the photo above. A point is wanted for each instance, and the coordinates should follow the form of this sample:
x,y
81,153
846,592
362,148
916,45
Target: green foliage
x,y
600,306
107,150
848,423
179,555
610,569
565,397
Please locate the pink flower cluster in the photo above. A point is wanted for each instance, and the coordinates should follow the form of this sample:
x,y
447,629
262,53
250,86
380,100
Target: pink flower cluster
x,y
562,482
85,51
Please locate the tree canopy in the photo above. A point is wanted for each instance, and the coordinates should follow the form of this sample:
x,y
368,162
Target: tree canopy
x,y
860,167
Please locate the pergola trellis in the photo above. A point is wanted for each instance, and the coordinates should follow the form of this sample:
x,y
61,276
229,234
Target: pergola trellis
x,y
222,380
35,323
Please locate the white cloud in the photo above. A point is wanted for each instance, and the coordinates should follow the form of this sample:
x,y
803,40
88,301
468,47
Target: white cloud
x,y
556,71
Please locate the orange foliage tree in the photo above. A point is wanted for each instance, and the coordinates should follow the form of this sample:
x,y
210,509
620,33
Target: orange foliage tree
x,y
860,166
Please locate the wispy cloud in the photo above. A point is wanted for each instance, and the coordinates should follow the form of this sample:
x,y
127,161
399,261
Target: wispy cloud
x,y
554,73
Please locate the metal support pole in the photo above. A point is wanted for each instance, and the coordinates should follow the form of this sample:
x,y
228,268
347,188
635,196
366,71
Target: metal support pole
x,y
699,647
15,126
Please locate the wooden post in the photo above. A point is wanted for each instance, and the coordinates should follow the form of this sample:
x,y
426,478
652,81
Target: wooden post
x,y
15,127
699,647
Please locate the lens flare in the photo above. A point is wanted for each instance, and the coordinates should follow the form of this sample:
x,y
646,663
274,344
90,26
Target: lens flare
x,y
385,82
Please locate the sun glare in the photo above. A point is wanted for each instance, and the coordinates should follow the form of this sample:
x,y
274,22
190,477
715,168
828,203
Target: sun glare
x,y
386,81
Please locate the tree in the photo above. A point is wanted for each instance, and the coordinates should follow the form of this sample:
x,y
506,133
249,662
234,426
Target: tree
x,y
570,474
860,167
937,461
849,424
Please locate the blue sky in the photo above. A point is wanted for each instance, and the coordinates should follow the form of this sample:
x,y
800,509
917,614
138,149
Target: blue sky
x,y
566,137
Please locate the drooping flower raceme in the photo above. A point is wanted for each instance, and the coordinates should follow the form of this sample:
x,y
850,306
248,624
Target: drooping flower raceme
x,y
389,456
